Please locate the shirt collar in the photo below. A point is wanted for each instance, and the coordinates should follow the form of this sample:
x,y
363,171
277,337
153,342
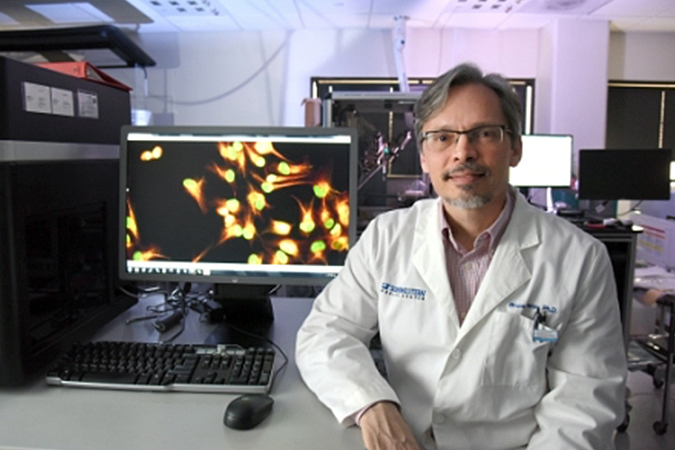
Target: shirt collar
x,y
492,234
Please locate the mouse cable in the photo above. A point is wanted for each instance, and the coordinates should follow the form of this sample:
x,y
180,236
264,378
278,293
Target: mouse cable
x,y
264,338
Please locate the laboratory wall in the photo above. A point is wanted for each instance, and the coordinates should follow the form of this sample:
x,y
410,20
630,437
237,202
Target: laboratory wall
x,y
261,78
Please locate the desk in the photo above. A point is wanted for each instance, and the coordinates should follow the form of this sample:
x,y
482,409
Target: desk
x,y
43,417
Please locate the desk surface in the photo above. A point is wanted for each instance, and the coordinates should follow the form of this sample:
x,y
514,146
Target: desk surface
x,y
44,417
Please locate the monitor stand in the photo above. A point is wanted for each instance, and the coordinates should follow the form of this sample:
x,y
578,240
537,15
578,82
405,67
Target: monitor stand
x,y
246,313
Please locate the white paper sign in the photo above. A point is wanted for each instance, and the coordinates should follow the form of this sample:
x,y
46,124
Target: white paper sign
x,y
63,102
37,98
87,104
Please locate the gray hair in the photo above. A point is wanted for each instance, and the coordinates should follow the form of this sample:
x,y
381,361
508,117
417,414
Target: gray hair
x,y
435,96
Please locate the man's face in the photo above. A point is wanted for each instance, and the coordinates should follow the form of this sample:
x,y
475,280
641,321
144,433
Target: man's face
x,y
470,174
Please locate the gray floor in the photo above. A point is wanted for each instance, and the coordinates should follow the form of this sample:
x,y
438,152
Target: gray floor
x,y
646,408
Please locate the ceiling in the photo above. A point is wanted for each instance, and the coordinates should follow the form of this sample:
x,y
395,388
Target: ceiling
x,y
199,15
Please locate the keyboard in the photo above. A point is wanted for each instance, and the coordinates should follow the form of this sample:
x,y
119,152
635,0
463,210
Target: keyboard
x,y
165,367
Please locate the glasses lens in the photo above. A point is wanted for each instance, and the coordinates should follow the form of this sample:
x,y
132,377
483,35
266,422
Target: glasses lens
x,y
488,135
438,141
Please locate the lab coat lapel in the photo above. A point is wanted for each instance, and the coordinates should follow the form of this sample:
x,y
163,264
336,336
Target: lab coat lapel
x,y
429,260
507,270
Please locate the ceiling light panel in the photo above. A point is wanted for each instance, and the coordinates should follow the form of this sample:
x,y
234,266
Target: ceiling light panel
x,y
76,12
484,6
186,7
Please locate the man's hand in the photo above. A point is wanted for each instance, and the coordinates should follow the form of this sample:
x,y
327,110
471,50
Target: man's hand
x,y
384,428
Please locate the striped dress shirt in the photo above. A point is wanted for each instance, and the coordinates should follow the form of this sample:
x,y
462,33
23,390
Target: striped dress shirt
x,y
466,268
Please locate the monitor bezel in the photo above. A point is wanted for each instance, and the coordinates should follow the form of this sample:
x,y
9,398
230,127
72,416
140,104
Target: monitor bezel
x,y
571,163
260,278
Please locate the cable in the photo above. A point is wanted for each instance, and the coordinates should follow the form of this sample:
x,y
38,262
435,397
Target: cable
x,y
270,341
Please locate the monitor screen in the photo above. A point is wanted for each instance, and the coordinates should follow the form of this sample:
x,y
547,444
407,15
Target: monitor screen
x,y
249,206
624,174
546,162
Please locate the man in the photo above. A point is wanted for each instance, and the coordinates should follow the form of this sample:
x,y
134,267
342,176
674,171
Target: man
x,y
499,322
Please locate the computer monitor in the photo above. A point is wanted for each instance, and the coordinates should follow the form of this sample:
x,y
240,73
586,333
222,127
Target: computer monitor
x,y
546,162
636,174
244,208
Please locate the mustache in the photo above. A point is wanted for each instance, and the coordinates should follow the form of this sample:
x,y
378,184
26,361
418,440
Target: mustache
x,y
471,167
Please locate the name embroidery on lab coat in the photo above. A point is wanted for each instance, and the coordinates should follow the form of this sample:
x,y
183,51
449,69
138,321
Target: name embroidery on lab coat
x,y
403,292
544,308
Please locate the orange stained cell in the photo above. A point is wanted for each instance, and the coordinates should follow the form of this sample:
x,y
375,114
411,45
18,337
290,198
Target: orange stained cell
x,y
233,151
266,148
226,173
201,255
254,258
147,255
154,154
195,189
307,223
280,258
340,244
342,207
322,189
256,200
248,231
289,246
225,207
132,225
231,232
280,228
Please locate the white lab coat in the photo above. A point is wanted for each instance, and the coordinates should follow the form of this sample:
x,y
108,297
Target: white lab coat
x,y
487,384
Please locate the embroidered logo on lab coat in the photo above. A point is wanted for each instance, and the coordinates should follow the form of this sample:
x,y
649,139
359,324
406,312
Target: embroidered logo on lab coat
x,y
403,292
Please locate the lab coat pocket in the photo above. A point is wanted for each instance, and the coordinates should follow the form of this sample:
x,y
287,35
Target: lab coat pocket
x,y
513,357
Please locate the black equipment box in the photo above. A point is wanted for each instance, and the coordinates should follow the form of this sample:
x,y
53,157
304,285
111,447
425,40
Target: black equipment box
x,y
38,104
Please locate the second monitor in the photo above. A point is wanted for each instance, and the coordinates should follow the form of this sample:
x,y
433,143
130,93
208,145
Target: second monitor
x,y
546,162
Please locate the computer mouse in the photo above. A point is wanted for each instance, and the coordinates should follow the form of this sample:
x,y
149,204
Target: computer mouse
x,y
247,411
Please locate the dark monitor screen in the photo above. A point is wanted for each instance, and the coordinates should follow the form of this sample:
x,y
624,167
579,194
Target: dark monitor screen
x,y
546,162
245,206
624,174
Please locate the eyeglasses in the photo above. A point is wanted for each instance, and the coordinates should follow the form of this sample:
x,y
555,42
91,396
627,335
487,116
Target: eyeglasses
x,y
484,136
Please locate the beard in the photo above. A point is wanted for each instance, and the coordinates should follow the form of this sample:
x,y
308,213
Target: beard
x,y
469,200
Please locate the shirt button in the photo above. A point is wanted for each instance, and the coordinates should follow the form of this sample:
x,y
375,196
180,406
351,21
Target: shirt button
x,y
439,419
456,354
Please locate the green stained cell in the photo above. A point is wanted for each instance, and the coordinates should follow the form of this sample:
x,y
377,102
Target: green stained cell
x,y
248,233
338,245
267,187
128,240
190,183
259,161
237,146
281,257
284,168
232,204
138,256
260,203
237,230
254,259
320,191
130,222
307,226
329,223
317,246
230,176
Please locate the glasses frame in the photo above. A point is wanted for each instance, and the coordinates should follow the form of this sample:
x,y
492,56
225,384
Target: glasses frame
x,y
504,130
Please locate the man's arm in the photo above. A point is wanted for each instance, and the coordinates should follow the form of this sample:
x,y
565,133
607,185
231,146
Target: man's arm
x,y
383,428
587,368
332,344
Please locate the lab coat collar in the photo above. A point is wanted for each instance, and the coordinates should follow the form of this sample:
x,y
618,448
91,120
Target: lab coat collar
x,y
429,259
506,273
